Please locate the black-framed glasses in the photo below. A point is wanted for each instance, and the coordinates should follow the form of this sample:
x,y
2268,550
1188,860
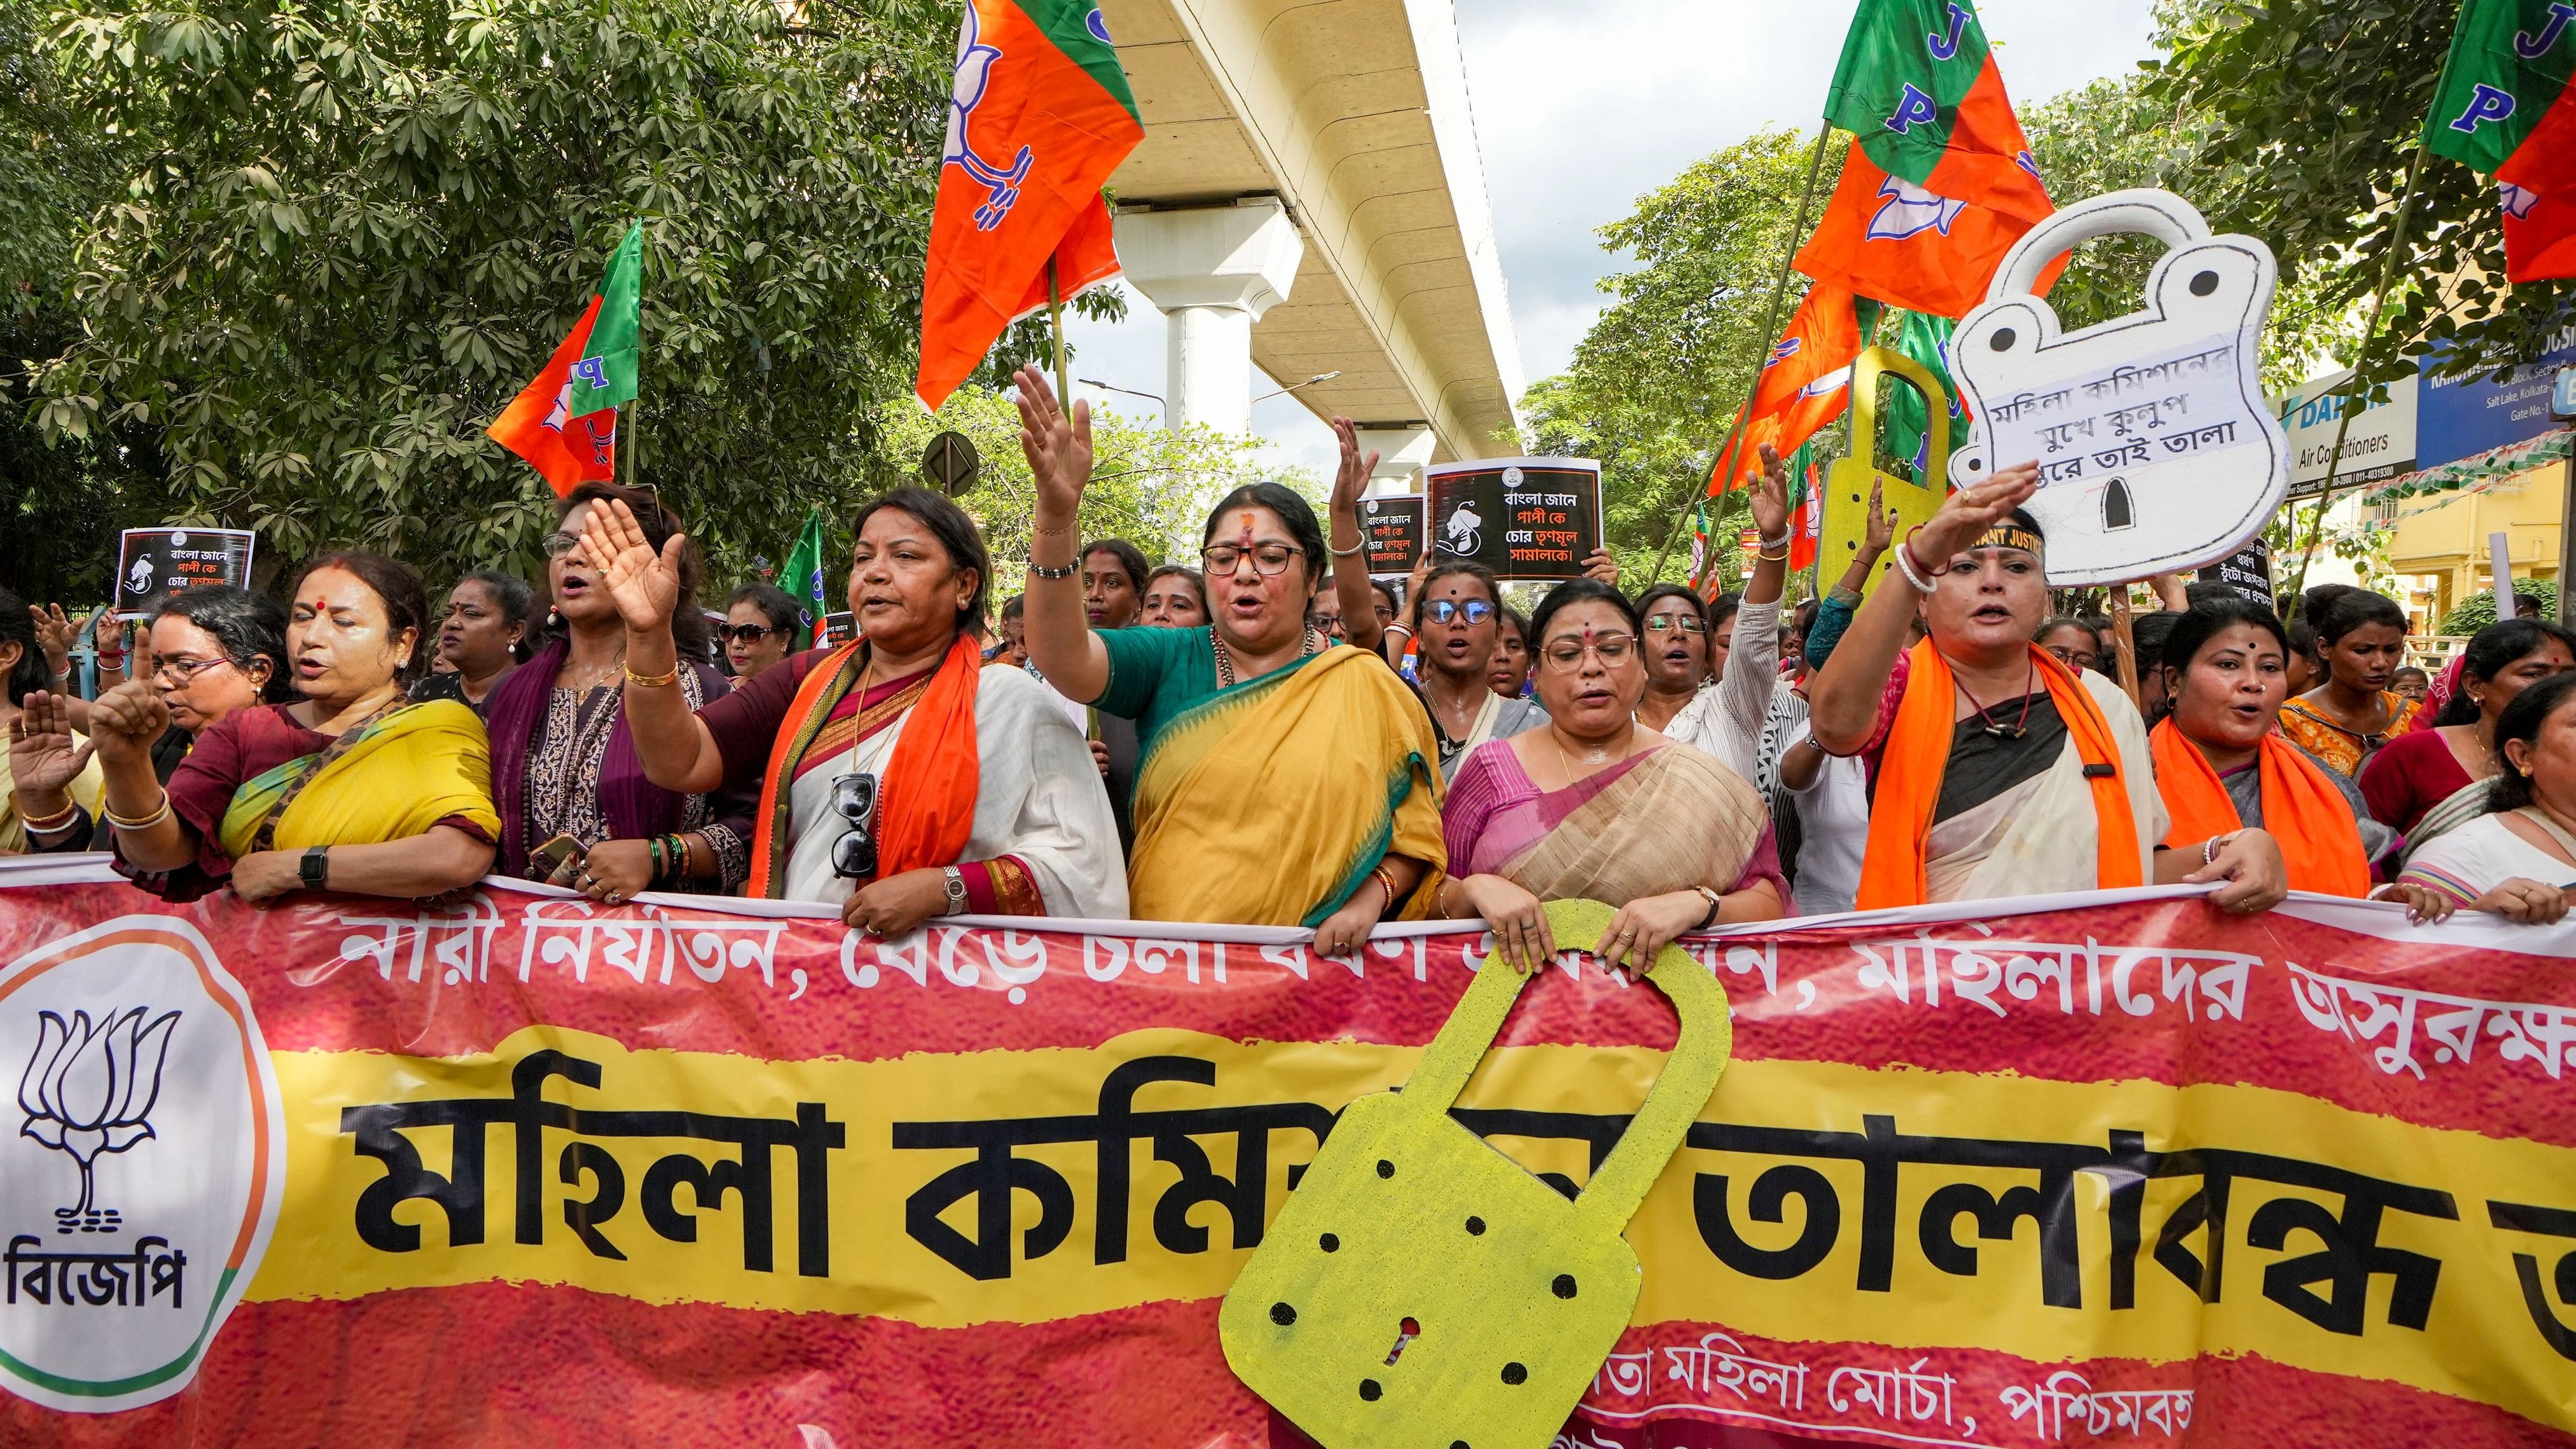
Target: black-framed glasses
x,y
1449,611
854,799
1268,559
746,633
1566,655
1329,625
1667,623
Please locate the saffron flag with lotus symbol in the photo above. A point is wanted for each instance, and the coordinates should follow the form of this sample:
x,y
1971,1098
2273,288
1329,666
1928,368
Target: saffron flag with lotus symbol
x,y
565,421
2505,107
1038,116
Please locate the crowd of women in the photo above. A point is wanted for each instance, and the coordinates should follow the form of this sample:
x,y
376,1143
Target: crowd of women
x,y
1273,738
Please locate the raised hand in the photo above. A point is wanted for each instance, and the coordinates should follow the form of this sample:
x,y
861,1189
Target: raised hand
x,y
125,722
43,760
1600,567
1057,445
56,633
1969,512
645,585
1882,520
1770,495
1351,480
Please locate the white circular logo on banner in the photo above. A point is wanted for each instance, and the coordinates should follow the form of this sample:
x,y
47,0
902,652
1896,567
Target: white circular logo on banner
x,y
140,1178
179,539
1512,477
1372,507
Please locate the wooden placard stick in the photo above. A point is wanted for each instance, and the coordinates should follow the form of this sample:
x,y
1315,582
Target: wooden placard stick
x,y
2125,645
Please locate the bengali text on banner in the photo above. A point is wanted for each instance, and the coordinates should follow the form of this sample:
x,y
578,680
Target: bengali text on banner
x,y
528,1170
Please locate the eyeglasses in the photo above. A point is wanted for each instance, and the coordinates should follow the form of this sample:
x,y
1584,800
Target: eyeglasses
x,y
854,856
2074,659
1566,655
1383,612
746,633
1328,624
558,544
1667,623
1449,611
1268,559
182,672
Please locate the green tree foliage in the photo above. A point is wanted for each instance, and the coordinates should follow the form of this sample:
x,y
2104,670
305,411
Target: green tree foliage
x,y
2478,610
1657,381
2319,109
362,225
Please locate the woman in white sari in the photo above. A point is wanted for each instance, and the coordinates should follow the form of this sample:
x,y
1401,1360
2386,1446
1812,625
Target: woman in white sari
x,y
898,779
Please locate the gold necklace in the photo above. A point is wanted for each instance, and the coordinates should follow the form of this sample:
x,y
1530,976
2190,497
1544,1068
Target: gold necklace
x,y
1601,758
1225,654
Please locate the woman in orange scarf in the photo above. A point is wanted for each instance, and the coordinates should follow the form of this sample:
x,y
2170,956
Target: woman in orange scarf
x,y
899,780
2221,766
1995,770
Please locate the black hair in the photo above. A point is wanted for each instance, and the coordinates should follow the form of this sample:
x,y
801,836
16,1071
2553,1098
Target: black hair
x,y
2313,603
518,605
2303,642
1015,607
2522,721
1387,592
1458,568
1196,580
396,586
2357,609
690,631
17,626
249,626
2522,601
2211,617
1131,559
1294,511
2493,650
2419,671
775,604
1720,609
2148,634
1647,600
1506,614
949,524
2062,621
1577,591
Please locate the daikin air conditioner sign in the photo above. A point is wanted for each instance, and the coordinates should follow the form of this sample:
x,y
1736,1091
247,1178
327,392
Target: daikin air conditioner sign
x,y
2377,445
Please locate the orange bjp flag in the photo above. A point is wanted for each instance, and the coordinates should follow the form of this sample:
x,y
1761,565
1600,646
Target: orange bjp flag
x,y
1906,246
566,451
1038,116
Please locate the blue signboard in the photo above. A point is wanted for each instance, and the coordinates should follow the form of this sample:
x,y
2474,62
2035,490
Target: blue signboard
x,y
2563,400
2459,417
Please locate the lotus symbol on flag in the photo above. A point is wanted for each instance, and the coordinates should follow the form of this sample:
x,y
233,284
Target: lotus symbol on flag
x,y
975,71
88,1090
1911,211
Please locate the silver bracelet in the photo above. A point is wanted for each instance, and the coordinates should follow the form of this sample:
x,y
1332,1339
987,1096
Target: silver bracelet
x,y
1063,571
1905,566
2209,848
1769,544
1344,552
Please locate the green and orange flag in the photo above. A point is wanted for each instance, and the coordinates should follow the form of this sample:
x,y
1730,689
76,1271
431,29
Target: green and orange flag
x,y
565,422
2505,107
1038,116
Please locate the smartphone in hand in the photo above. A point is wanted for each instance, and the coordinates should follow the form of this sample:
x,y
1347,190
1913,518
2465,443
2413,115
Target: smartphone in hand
x,y
550,858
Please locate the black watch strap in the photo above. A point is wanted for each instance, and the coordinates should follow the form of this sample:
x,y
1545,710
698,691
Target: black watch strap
x,y
315,868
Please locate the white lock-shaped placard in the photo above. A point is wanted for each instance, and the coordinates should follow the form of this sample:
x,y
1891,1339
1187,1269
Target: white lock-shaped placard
x,y
2156,450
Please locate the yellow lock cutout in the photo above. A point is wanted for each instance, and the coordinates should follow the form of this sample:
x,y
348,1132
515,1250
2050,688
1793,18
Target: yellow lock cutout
x,y
1846,524
1420,1289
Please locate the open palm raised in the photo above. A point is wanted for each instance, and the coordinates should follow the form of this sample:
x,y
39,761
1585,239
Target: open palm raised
x,y
644,585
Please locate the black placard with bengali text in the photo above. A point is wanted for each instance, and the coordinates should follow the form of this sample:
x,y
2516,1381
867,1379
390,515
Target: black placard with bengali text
x,y
1392,527
1527,519
2248,571
154,563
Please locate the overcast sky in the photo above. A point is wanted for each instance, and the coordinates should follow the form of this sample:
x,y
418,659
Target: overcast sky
x,y
1582,108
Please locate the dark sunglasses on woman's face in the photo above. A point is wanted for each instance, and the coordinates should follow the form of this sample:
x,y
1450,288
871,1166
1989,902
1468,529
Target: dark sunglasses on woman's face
x,y
1446,611
746,633
854,798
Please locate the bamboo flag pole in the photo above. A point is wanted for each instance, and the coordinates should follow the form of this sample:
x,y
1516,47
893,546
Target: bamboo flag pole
x,y
2361,359
1055,311
1731,447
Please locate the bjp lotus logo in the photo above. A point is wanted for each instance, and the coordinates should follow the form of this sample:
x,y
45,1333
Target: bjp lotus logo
x,y
88,1091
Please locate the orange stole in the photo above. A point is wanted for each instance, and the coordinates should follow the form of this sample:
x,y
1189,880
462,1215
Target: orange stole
x,y
2302,811
1918,754
926,800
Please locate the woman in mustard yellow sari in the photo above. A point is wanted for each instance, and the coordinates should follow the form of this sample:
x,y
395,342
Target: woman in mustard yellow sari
x,y
1281,779
348,788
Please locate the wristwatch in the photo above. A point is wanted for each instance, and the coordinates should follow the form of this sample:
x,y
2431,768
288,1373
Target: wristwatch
x,y
1715,902
956,891
315,868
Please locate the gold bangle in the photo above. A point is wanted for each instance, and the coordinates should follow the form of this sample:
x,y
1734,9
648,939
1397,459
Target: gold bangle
x,y
144,822
1771,557
52,824
652,681
1038,532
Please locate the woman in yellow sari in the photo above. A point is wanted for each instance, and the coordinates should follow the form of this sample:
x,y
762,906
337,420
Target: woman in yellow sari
x,y
1281,779
348,788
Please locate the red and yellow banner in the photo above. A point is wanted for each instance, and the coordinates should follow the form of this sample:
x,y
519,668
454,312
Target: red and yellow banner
x,y
527,1171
